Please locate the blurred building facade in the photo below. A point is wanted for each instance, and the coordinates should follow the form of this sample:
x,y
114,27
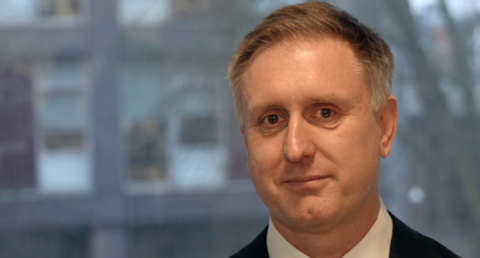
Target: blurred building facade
x,y
116,129
117,133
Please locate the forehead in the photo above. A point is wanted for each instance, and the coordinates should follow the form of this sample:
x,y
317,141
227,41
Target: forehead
x,y
318,69
316,47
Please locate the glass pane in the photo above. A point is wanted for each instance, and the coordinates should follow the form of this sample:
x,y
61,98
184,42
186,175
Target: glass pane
x,y
199,131
15,12
62,111
63,73
143,12
59,8
119,139
62,140
146,150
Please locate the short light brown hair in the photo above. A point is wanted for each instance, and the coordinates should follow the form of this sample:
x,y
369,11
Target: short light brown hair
x,y
313,21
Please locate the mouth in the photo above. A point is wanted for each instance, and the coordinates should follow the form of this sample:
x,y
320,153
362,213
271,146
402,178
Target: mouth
x,y
306,181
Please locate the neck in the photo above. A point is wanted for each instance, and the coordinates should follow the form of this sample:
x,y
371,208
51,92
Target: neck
x,y
334,241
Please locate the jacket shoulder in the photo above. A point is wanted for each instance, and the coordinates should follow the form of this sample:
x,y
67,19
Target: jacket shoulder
x,y
256,249
407,242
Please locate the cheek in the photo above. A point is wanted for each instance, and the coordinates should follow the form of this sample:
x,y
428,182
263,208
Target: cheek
x,y
357,150
368,159
263,170
264,156
361,137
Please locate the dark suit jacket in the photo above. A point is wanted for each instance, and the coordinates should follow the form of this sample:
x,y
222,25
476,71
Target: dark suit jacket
x,y
406,243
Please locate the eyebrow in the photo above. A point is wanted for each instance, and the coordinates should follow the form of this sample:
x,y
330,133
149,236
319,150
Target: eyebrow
x,y
263,107
327,99
260,108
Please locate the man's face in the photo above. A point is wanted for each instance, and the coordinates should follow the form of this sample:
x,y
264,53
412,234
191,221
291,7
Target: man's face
x,y
313,140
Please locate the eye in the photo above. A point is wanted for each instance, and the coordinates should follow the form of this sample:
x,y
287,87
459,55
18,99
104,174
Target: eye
x,y
271,119
325,112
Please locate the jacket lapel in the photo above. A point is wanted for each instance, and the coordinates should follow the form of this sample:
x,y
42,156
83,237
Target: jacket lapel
x,y
407,242
256,249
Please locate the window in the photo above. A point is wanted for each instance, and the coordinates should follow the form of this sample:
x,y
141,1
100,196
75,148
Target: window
x,y
63,138
146,151
29,12
55,141
162,97
59,8
172,135
199,130
143,12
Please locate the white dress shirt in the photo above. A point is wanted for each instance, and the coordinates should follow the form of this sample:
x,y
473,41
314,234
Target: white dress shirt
x,y
375,244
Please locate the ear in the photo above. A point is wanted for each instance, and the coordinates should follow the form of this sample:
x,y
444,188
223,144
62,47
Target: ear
x,y
388,119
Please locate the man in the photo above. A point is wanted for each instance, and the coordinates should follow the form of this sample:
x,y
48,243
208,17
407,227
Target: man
x,y
312,88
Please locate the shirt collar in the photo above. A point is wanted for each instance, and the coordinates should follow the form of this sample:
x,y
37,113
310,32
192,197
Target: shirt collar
x,y
376,243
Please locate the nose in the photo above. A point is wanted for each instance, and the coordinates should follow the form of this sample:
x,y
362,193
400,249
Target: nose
x,y
298,143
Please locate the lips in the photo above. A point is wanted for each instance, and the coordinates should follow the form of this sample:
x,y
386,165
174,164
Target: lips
x,y
305,180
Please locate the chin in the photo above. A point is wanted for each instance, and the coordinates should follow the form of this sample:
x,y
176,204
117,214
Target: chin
x,y
311,215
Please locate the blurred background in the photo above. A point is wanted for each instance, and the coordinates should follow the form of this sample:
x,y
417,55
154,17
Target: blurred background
x,y
118,137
